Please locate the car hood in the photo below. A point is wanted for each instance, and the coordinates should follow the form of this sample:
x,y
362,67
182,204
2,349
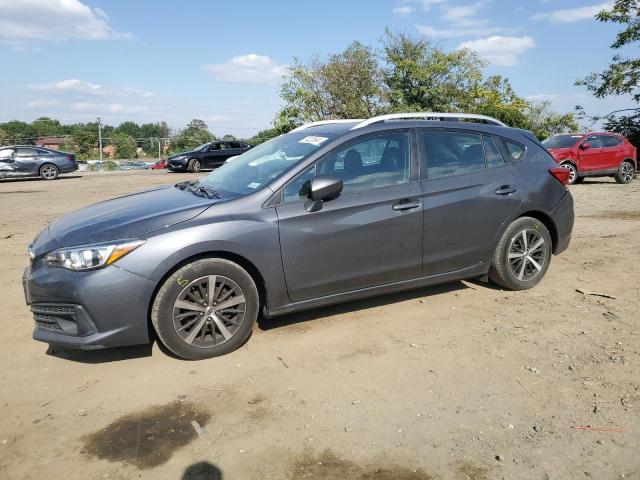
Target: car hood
x,y
190,152
129,216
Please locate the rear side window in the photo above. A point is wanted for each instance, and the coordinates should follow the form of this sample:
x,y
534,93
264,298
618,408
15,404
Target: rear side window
x,y
6,153
516,151
452,153
610,141
491,153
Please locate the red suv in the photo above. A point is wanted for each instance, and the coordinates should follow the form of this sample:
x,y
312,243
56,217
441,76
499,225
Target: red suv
x,y
594,155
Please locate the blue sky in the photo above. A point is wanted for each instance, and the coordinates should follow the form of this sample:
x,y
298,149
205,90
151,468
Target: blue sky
x,y
222,61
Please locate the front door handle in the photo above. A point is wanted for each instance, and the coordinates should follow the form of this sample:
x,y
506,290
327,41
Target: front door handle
x,y
406,204
506,190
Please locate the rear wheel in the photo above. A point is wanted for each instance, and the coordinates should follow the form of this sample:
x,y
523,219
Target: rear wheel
x,y
194,165
625,172
522,255
48,171
205,309
573,172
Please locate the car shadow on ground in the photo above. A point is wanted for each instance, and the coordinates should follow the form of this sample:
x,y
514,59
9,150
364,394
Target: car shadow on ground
x,y
355,305
37,179
103,355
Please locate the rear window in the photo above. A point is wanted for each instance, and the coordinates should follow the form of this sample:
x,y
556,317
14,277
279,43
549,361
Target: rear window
x,y
610,141
516,150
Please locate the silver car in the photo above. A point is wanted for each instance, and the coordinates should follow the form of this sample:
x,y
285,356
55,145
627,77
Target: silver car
x,y
29,161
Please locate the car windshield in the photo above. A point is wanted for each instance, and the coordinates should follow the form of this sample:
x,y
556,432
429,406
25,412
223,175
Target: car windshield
x,y
257,167
561,141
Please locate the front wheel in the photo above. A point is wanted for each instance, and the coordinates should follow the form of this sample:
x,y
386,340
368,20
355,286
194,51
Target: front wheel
x,y
49,171
522,255
205,309
194,165
625,172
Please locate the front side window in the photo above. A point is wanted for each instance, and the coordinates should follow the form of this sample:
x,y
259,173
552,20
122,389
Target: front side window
x,y
593,141
26,152
6,153
452,153
379,161
561,141
258,166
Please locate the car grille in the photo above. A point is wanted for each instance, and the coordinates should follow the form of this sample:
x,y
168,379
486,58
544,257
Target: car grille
x,y
64,319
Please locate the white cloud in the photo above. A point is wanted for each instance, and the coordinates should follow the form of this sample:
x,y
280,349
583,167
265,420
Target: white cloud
x,y
463,15
499,50
571,15
251,68
73,85
36,20
427,4
404,10
458,32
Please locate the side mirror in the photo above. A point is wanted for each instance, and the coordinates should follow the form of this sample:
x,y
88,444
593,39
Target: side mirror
x,y
322,189
585,146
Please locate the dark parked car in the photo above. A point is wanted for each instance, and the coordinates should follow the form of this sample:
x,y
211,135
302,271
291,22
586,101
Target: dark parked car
x,y
331,212
206,156
594,155
30,161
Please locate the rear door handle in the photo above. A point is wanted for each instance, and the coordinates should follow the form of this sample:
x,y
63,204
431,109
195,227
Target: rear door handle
x,y
406,204
506,190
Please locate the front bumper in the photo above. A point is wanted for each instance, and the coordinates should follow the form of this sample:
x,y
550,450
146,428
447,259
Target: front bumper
x,y
88,310
177,165
563,218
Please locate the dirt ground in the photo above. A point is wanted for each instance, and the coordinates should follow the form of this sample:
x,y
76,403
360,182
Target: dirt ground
x,y
462,381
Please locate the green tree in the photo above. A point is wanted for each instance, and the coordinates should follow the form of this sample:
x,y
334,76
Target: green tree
x,y
622,77
195,134
228,136
45,127
129,128
18,132
348,84
544,122
422,77
85,138
126,146
4,137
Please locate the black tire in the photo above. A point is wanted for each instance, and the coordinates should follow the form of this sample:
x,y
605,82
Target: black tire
x,y
504,271
579,180
625,173
164,308
194,165
49,171
573,175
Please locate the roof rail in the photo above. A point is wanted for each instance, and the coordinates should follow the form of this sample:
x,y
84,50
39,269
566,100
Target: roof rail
x,y
429,115
323,122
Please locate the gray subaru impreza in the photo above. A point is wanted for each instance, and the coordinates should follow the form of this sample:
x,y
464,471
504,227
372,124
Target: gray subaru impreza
x,y
330,212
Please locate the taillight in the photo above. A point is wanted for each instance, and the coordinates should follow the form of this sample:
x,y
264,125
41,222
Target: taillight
x,y
561,174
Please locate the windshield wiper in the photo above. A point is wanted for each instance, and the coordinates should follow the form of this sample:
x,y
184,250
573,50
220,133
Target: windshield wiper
x,y
202,191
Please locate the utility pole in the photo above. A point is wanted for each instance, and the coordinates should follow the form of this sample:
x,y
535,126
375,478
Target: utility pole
x,y
100,141
159,154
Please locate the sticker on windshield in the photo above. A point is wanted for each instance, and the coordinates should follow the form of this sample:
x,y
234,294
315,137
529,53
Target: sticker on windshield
x,y
313,140
253,185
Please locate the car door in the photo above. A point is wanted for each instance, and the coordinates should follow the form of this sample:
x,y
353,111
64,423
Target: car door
x,y
7,163
209,155
613,152
469,193
27,160
590,158
370,235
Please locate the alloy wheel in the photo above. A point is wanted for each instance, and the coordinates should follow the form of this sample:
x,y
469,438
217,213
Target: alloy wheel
x,y
527,254
195,166
209,311
627,172
572,172
49,172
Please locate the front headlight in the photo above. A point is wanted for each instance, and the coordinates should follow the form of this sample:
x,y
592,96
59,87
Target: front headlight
x,y
89,257
179,157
